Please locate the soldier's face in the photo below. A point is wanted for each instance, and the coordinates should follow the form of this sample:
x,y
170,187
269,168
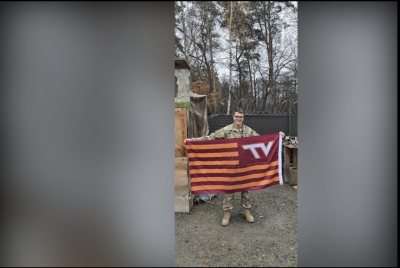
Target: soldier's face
x,y
238,119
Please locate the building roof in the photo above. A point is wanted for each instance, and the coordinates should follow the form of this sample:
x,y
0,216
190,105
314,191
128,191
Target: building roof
x,y
181,64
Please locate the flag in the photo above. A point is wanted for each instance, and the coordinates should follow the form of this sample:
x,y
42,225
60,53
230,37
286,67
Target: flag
x,y
235,165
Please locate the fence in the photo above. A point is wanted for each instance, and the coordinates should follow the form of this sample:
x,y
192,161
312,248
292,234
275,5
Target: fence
x,y
262,124
253,106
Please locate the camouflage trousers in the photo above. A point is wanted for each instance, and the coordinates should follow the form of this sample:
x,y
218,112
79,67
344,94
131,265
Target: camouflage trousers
x,y
227,204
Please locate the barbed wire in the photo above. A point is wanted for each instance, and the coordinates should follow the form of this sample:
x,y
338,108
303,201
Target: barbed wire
x,y
253,106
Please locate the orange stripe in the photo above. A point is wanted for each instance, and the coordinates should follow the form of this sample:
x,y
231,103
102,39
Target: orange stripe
x,y
213,146
235,170
213,154
233,187
229,179
214,163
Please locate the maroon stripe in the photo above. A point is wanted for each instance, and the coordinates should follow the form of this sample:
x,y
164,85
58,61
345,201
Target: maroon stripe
x,y
212,150
232,182
247,189
234,174
192,159
218,166
215,167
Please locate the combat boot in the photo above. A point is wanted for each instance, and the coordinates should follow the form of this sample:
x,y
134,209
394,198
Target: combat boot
x,y
246,213
227,216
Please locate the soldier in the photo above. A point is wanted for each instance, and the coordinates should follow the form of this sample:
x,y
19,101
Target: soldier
x,y
235,130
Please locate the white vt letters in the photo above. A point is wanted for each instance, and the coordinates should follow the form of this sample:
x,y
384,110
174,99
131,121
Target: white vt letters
x,y
253,147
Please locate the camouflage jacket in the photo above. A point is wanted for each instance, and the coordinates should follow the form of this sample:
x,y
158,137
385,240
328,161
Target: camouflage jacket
x,y
230,132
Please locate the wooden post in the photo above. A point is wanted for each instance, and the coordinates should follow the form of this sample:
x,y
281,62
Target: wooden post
x,y
295,157
286,164
180,132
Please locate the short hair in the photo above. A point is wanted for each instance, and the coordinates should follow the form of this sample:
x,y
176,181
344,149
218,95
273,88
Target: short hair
x,y
239,110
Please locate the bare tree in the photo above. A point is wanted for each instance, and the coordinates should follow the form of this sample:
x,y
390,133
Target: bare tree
x,y
184,31
259,50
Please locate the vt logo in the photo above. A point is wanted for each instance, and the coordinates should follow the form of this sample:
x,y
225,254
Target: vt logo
x,y
252,148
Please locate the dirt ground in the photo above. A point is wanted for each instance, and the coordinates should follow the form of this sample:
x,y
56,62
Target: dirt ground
x,y
271,240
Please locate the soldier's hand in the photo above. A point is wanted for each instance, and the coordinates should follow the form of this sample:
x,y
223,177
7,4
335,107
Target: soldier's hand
x,y
282,134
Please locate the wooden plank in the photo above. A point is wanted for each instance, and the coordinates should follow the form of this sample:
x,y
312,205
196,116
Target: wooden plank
x,y
181,171
180,132
286,164
181,163
181,64
287,158
295,157
183,199
291,146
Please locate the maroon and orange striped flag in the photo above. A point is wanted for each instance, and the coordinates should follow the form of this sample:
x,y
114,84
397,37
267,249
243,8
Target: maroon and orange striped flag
x,y
235,165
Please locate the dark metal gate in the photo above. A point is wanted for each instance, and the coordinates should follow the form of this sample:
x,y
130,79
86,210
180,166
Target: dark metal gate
x,y
262,124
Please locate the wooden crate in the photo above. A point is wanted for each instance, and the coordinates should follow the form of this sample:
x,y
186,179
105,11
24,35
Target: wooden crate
x,y
287,151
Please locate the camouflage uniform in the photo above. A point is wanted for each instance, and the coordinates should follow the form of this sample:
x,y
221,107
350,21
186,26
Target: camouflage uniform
x,y
231,132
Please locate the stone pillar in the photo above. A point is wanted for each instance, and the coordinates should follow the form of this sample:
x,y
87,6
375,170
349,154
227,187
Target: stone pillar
x,y
182,91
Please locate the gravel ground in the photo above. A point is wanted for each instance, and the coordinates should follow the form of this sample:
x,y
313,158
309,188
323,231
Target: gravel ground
x,y
271,240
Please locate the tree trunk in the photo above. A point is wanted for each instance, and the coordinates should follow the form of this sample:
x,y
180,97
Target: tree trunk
x,y
212,62
230,62
184,32
255,88
251,81
270,60
237,59
240,77
266,24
